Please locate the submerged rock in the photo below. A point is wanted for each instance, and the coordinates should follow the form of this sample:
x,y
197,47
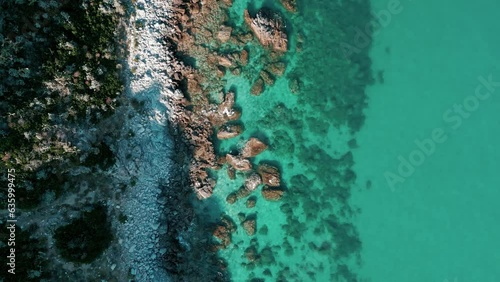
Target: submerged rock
x,y
277,68
257,87
239,163
252,148
222,233
270,175
231,173
251,253
231,198
269,29
250,203
249,225
272,193
267,77
242,192
290,5
243,57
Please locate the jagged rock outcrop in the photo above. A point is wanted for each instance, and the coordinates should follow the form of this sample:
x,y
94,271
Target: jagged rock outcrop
x,y
269,29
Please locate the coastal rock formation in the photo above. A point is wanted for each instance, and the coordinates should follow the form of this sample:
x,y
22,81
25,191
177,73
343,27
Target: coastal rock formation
x,y
239,163
270,175
252,182
269,29
272,193
249,225
252,148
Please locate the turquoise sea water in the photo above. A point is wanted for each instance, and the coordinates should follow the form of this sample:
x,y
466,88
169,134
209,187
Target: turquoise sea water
x,y
441,223
341,219
309,235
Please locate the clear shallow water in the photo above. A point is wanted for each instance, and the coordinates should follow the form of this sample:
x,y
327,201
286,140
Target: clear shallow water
x,y
308,235
441,223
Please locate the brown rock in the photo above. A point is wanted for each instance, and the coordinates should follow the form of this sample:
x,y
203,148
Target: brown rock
x,y
228,3
252,148
270,175
251,202
224,33
224,61
269,29
252,182
244,38
249,225
231,173
239,163
236,71
231,198
229,131
222,233
229,223
221,71
272,193
290,5
204,192
242,192
267,77
277,68
258,87
244,57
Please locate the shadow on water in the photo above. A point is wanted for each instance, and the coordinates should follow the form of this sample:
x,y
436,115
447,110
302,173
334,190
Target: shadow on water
x,y
190,255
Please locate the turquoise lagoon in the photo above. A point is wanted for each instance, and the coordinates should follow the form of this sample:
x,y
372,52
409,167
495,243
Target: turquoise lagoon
x,y
340,220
